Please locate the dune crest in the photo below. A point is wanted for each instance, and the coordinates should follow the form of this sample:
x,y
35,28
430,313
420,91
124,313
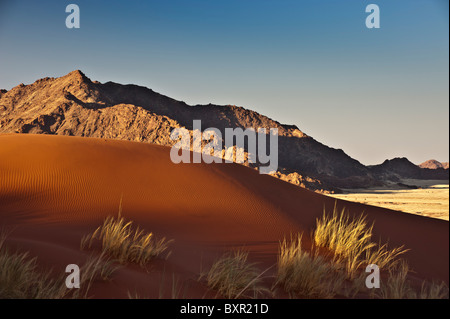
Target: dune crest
x,y
76,106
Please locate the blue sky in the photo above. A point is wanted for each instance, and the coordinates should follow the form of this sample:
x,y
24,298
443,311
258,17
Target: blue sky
x,y
376,93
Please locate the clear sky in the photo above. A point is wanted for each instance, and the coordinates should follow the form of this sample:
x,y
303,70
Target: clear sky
x,y
375,93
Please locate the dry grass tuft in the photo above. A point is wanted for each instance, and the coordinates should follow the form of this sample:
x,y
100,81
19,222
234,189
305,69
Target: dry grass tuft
x,y
350,239
234,277
397,286
96,267
20,279
303,275
120,241
434,290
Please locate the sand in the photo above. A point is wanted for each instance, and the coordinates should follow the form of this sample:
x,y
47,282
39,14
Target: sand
x,y
431,200
55,189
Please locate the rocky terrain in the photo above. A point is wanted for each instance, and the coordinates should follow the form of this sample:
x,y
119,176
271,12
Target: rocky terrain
x,y
74,105
433,164
399,168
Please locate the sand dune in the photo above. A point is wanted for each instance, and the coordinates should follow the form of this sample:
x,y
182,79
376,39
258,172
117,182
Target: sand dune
x,y
55,189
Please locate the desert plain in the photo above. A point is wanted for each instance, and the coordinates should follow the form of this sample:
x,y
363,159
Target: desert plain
x,y
430,198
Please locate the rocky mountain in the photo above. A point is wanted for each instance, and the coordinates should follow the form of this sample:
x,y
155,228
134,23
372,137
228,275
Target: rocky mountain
x,y
433,164
305,182
398,168
75,105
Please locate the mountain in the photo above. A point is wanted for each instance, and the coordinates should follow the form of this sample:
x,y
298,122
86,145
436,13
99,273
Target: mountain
x,y
399,168
433,164
74,105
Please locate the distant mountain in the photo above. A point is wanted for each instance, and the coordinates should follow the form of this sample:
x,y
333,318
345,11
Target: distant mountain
x,y
75,105
399,168
433,164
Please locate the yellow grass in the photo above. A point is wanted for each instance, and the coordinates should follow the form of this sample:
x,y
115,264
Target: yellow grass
x,y
434,290
120,241
96,267
303,275
20,278
350,239
397,286
234,277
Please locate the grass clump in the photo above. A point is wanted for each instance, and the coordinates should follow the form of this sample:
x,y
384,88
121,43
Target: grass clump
x,y
96,267
20,279
350,239
120,241
234,277
434,290
397,286
304,275
178,287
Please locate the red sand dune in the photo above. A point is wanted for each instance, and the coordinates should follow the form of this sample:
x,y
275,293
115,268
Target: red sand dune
x,y
55,189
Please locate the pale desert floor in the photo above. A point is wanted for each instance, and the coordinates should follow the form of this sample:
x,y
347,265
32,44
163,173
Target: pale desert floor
x,y
431,200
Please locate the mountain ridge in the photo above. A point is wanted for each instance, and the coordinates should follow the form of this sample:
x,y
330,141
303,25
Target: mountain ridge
x,y
434,164
75,105
400,167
